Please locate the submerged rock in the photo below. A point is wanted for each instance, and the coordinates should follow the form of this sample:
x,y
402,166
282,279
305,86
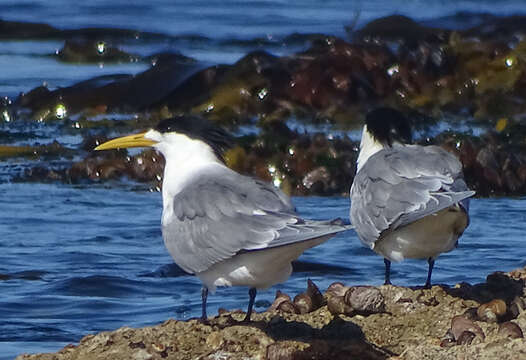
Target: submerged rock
x,y
14,30
93,51
109,93
439,77
301,164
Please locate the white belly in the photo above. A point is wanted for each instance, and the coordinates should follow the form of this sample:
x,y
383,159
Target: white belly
x,y
425,238
258,269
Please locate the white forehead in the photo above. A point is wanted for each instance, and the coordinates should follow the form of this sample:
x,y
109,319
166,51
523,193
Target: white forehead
x,y
154,135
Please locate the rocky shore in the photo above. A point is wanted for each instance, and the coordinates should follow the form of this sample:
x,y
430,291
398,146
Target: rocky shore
x,y
480,321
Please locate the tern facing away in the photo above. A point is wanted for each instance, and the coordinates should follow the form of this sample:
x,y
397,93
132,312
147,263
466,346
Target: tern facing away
x,y
226,228
407,201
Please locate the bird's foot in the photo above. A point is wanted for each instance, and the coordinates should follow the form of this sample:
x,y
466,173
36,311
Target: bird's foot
x,y
204,321
246,320
201,320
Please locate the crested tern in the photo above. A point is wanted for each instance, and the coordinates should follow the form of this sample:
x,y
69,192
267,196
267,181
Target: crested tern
x,y
226,228
407,201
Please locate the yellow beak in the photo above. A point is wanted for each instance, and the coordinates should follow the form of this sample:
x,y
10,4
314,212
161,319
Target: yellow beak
x,y
135,140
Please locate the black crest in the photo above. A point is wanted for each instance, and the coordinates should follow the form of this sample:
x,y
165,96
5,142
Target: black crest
x,y
387,125
201,129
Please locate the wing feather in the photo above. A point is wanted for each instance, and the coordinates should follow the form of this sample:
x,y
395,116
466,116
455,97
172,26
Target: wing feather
x,y
221,213
403,184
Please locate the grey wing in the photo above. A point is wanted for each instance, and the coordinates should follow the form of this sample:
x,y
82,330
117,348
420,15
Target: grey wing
x,y
403,184
223,213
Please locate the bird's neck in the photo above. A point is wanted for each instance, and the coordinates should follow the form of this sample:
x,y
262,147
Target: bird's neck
x,y
368,147
181,166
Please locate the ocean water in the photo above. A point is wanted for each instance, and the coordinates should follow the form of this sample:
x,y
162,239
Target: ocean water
x,y
83,259
86,258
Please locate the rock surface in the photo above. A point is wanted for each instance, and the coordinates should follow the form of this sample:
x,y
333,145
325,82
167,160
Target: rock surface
x,y
437,323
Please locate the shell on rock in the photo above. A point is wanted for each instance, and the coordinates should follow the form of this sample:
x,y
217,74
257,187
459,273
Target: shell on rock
x,y
315,294
337,289
459,324
303,303
337,305
310,300
278,299
287,307
365,299
466,338
492,310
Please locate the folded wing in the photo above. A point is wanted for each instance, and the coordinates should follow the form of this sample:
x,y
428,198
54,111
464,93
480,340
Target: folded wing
x,y
403,184
222,213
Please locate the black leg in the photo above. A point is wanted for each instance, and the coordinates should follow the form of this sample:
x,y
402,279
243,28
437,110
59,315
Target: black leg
x,y
387,272
204,296
431,263
252,295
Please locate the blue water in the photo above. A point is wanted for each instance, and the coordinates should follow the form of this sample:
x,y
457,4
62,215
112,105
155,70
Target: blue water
x,y
82,259
91,258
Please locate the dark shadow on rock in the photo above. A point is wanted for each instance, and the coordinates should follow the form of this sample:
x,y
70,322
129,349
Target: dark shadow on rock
x,y
339,339
321,349
497,286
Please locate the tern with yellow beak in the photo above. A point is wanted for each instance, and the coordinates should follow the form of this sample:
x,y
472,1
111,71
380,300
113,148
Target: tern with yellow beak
x,y
226,228
407,201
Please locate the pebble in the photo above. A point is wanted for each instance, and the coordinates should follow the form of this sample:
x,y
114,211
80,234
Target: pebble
x,y
280,351
510,330
142,354
215,340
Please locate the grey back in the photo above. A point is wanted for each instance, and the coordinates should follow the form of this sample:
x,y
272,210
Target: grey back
x,y
402,184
